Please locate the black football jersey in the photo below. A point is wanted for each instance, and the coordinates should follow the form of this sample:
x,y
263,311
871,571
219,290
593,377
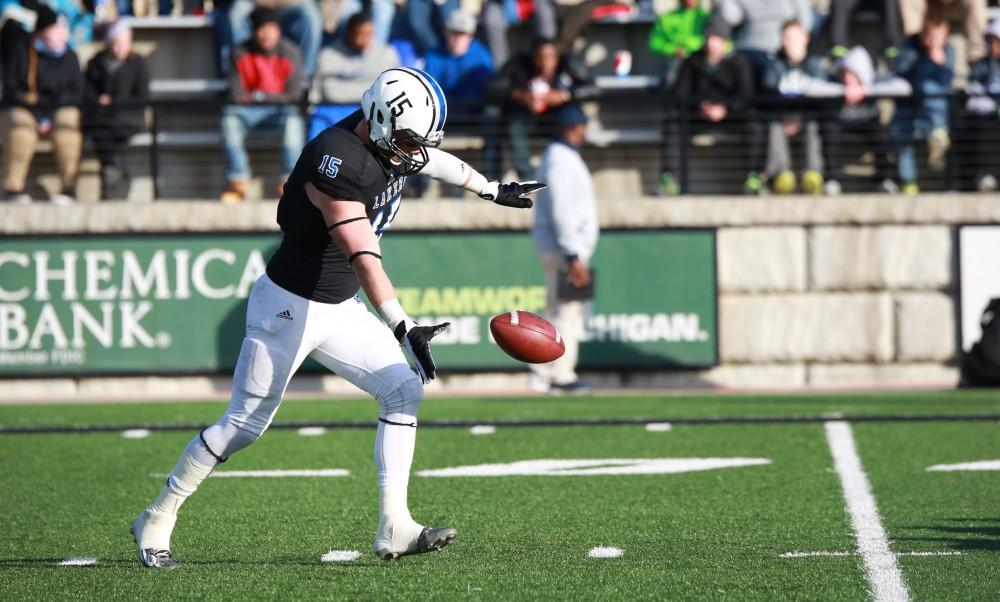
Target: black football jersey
x,y
338,163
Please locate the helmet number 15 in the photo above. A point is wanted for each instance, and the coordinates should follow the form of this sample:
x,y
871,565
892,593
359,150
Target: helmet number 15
x,y
397,104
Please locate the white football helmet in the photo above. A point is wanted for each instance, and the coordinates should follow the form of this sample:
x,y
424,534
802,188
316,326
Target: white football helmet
x,y
406,110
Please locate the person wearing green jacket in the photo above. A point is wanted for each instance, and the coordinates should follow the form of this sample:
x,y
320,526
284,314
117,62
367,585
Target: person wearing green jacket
x,y
677,35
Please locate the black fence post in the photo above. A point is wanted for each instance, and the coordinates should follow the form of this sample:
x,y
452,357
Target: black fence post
x,y
682,145
950,163
154,152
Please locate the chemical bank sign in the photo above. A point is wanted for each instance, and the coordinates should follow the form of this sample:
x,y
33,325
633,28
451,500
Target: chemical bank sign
x,y
176,304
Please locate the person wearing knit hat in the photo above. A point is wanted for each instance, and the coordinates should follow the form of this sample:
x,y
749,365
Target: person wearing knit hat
x,y
42,89
117,88
46,18
984,94
263,15
859,119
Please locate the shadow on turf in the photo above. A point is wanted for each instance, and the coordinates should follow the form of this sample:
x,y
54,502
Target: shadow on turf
x,y
979,534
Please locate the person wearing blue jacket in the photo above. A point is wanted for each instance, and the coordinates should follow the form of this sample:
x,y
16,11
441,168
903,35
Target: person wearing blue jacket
x,y
983,91
927,62
463,65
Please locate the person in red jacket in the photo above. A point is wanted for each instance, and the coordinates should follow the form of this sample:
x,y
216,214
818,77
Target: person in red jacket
x,y
265,86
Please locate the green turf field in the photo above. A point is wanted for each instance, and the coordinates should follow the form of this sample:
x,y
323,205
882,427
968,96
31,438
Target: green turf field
x,y
776,528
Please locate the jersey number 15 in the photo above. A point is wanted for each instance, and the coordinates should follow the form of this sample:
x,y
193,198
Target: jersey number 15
x,y
328,166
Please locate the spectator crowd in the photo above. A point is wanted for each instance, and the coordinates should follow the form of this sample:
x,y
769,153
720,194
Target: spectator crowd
x,y
783,78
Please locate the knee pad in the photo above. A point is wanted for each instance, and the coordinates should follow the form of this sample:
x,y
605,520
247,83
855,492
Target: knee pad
x,y
401,403
224,438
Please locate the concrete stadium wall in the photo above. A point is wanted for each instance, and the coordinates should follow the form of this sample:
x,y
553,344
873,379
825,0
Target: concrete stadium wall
x,y
814,292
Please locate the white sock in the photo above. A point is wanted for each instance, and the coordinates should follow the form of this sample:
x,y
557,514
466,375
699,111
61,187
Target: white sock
x,y
193,467
393,456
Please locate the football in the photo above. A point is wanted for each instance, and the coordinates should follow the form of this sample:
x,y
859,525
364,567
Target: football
x,y
527,337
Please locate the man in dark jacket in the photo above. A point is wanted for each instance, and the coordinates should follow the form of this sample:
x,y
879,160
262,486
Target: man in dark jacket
x,y
265,85
526,90
42,89
716,83
116,76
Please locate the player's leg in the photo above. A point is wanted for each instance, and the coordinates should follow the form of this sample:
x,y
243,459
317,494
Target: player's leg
x,y
274,347
363,351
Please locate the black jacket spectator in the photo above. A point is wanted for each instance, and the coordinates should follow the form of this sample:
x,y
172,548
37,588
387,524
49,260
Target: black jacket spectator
x,y
729,81
126,82
41,82
518,73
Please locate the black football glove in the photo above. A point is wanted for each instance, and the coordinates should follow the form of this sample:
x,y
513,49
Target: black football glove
x,y
512,194
416,342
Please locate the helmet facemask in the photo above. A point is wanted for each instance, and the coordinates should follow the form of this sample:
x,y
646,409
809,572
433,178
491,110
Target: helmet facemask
x,y
409,149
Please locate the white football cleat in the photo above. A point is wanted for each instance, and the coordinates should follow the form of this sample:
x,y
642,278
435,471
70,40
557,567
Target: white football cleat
x,y
151,531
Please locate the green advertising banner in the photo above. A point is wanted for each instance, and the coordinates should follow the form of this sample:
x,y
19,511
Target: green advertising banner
x,y
161,304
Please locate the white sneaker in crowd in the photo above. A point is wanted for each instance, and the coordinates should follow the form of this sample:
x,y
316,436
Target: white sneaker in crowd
x,y
62,200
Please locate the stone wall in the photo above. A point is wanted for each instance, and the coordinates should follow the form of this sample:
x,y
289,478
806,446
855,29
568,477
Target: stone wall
x,y
814,292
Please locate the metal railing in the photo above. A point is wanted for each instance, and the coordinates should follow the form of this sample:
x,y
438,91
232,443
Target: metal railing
x,y
662,129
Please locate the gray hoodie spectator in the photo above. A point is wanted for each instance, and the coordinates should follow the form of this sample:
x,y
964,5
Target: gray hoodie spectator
x,y
858,84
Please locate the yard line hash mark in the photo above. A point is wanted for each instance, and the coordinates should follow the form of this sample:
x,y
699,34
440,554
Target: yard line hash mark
x,y
79,561
340,556
311,431
605,552
881,568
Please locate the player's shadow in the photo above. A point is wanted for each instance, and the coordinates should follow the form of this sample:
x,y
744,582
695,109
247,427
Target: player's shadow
x,y
971,534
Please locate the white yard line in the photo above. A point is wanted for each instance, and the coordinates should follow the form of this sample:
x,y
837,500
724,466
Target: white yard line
x,y
319,472
881,567
838,554
815,554
984,465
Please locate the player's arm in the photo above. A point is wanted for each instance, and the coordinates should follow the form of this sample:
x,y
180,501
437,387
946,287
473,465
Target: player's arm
x,y
350,229
450,169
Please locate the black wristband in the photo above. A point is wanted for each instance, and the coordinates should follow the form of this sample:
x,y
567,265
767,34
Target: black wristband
x,y
360,253
346,221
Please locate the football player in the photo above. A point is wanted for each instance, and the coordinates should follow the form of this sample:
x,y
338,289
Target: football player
x,y
341,197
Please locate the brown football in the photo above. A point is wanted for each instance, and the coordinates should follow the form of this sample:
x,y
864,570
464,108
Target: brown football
x,y
527,337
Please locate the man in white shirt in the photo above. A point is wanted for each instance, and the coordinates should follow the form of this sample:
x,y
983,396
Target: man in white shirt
x,y
565,232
